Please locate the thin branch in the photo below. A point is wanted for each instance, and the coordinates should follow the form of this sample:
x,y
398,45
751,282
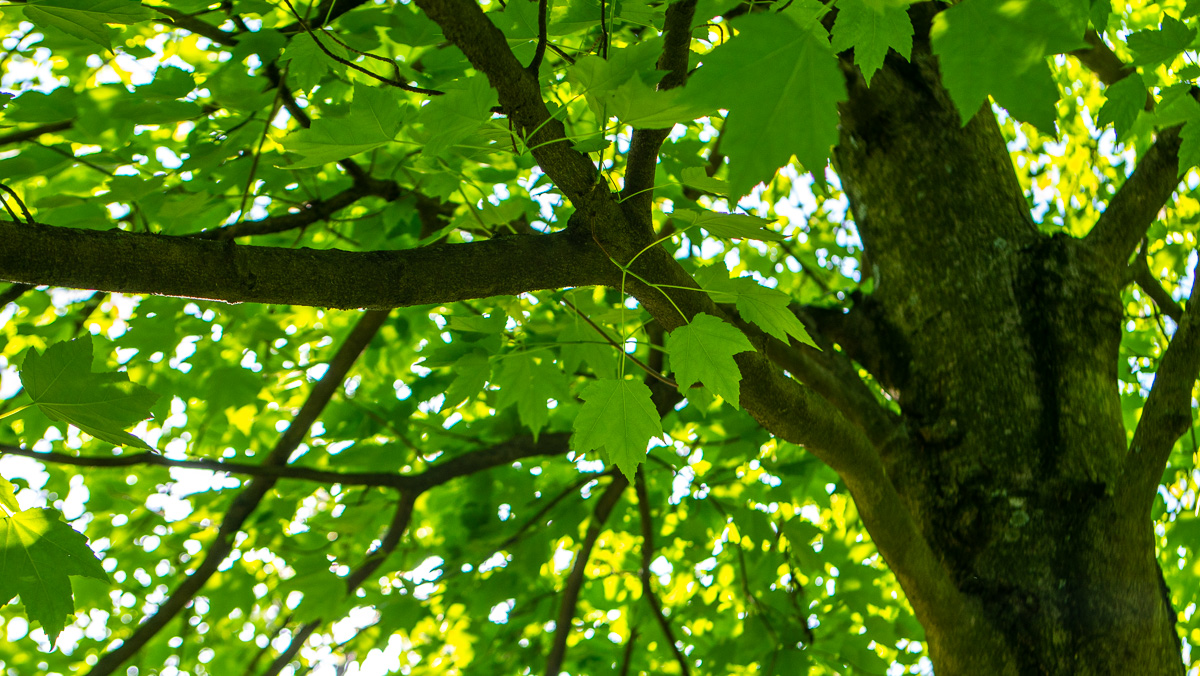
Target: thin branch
x,y
350,64
1153,288
1137,202
391,538
20,203
540,51
646,143
1166,415
298,639
647,519
575,580
194,25
653,373
524,447
312,212
1101,60
248,499
34,132
468,28
129,262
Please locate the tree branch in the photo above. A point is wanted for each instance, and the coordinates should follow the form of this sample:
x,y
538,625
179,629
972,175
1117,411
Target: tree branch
x,y
1146,280
248,499
316,210
468,463
465,25
647,519
128,262
642,161
1137,202
575,580
194,25
1101,60
1166,415
797,414
34,132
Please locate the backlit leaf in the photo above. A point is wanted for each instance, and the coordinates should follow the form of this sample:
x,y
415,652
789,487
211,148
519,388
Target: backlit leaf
x,y
702,351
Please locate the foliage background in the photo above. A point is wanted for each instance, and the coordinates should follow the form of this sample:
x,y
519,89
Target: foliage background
x,y
182,127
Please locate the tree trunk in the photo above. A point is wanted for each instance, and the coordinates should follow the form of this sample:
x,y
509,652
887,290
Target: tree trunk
x,y
1000,345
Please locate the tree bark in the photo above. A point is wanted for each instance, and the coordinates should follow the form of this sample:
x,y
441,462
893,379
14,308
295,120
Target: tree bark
x,y
1012,447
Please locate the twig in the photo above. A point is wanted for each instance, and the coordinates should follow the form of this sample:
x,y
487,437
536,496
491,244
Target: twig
x,y
348,63
17,199
649,371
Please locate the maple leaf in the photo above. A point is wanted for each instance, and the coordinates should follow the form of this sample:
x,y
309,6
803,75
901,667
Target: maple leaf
x,y
618,415
702,351
765,308
62,385
769,77
38,551
871,31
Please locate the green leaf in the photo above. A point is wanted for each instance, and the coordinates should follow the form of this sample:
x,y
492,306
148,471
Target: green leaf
x,y
698,178
376,115
1152,47
726,225
1125,100
702,351
62,385
1189,146
452,118
765,308
641,105
471,373
618,415
527,382
580,343
8,497
86,19
769,77
871,31
598,79
1010,64
307,63
38,551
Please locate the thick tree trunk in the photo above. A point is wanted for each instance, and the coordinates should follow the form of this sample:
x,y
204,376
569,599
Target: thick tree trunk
x,y
1001,346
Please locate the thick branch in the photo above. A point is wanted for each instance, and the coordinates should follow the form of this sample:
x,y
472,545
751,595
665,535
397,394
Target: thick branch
x,y
465,25
570,597
1166,416
1137,202
127,262
247,501
797,414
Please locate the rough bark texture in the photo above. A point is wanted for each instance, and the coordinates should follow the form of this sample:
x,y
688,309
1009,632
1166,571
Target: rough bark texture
x,y
1012,443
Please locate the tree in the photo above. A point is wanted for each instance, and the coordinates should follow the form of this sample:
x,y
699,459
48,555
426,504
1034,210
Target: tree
x,y
395,297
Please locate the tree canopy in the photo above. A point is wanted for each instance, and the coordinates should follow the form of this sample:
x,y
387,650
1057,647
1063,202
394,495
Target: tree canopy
x,y
598,336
